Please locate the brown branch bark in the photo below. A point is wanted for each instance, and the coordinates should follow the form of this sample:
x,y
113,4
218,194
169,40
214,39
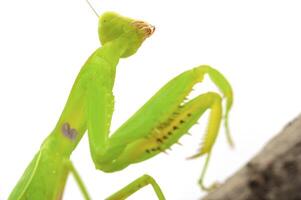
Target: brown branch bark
x,y
273,174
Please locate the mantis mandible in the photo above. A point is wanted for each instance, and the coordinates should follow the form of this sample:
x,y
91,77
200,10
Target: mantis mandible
x,y
156,126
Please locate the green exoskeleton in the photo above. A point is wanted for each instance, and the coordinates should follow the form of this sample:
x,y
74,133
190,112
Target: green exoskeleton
x,y
155,127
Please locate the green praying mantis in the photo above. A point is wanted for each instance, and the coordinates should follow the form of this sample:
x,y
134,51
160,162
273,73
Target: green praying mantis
x,y
155,127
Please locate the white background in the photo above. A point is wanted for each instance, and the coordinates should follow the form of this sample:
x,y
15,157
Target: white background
x,y
43,44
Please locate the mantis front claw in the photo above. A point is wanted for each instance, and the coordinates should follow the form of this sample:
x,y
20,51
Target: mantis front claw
x,y
165,118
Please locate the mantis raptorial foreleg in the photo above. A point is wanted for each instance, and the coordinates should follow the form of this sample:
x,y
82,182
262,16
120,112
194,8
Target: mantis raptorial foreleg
x,y
168,119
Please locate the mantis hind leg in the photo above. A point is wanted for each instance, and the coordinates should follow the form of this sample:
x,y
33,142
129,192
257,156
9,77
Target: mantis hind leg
x,y
124,192
78,180
135,186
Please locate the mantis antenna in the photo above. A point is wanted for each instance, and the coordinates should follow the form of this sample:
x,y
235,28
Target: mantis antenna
x,y
90,5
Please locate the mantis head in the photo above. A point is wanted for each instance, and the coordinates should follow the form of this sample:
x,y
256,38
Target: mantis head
x,y
112,26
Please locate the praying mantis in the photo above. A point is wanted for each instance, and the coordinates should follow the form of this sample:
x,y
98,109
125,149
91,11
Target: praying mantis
x,y
155,127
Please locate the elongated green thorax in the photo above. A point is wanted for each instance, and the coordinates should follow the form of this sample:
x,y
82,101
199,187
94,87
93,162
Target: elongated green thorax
x,y
90,104
120,37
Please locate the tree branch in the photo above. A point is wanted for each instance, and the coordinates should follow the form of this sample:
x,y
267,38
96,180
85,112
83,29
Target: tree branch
x,y
273,174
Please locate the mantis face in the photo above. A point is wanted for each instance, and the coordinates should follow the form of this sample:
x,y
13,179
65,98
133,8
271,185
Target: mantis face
x,y
133,32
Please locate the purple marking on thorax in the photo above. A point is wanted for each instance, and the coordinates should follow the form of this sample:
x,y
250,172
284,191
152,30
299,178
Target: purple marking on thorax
x,y
69,132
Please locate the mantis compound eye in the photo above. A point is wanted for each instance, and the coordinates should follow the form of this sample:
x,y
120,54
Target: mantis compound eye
x,y
147,28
